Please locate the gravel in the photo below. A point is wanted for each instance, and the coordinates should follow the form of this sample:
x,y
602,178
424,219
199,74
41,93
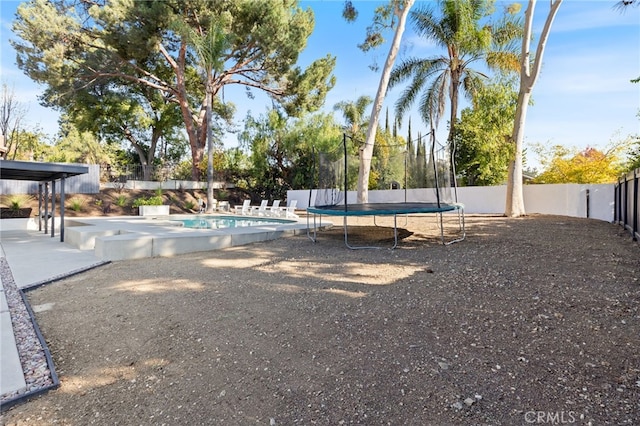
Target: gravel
x,y
30,351
531,320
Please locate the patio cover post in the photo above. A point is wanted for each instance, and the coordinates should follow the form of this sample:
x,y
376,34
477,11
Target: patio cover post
x,y
39,206
62,184
53,208
46,207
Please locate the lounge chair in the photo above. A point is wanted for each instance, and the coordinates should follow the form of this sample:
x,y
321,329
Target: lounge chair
x,y
244,209
274,209
289,211
261,209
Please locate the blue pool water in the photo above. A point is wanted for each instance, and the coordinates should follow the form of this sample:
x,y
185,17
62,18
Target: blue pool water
x,y
218,222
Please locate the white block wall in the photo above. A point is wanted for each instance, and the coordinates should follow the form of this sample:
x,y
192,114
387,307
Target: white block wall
x,y
560,199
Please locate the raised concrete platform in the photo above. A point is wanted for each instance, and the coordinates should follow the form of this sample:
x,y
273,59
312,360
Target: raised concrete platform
x,y
120,238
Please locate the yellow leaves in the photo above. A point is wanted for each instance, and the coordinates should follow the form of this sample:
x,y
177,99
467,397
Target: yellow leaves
x,y
566,165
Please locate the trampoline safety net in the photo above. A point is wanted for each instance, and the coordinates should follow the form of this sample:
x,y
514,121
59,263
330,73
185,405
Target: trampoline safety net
x,y
420,171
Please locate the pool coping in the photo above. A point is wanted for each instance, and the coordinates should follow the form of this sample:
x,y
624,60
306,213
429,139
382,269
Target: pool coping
x,y
136,237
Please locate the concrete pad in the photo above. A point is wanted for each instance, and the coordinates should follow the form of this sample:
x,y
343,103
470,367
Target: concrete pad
x,y
123,247
11,374
189,243
35,258
84,237
242,238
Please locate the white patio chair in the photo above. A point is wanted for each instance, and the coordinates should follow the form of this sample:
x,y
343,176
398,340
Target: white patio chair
x,y
261,209
274,209
289,211
244,209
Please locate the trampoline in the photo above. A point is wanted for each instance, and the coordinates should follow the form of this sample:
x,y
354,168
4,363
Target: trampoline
x,y
426,176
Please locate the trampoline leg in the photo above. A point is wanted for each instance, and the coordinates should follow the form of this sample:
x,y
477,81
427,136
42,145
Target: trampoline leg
x,y
461,225
314,238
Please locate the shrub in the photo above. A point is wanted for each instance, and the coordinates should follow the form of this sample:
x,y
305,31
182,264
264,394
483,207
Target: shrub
x,y
121,200
17,201
189,205
76,204
151,201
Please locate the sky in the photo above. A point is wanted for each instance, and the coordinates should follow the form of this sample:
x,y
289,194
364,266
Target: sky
x,y
583,97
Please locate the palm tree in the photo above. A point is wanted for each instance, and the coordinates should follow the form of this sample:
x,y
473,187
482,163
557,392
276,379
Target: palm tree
x,y
208,44
353,113
457,30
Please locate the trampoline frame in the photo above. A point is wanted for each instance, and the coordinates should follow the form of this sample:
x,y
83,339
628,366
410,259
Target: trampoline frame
x,y
385,209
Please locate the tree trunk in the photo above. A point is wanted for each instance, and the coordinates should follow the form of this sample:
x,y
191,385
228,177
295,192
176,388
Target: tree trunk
x,y
529,71
207,123
192,127
515,196
366,153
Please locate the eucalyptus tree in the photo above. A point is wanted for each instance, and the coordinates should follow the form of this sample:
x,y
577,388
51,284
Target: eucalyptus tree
x,y
12,114
530,65
392,15
69,45
460,28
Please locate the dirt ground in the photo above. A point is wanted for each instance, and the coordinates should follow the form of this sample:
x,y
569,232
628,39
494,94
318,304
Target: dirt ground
x,y
528,321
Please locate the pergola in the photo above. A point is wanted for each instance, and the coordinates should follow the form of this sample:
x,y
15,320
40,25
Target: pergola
x,y
44,174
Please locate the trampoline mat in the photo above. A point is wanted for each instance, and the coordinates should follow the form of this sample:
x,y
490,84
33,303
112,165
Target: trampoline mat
x,y
373,209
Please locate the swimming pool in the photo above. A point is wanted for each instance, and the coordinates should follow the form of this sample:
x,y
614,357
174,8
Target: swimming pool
x,y
219,222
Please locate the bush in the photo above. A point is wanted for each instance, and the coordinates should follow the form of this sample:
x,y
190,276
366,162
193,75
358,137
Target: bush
x,y
76,204
121,200
156,200
17,201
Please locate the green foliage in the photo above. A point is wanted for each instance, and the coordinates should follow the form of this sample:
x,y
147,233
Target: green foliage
x,y
388,160
121,200
281,151
155,200
634,157
349,12
74,146
483,147
633,154
461,29
27,145
354,115
131,56
222,194
189,205
16,201
76,204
